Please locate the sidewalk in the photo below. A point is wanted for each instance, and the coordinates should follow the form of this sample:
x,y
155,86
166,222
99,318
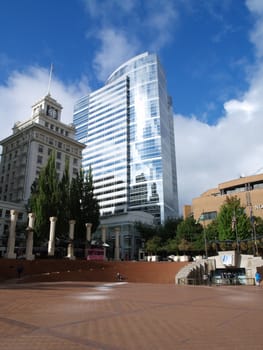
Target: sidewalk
x,y
119,316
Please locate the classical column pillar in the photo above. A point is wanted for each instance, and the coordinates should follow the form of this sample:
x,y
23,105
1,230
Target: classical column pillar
x,y
51,242
103,238
71,238
30,234
88,232
117,244
88,237
10,252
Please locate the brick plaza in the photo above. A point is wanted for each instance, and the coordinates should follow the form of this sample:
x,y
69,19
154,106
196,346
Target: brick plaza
x,y
117,316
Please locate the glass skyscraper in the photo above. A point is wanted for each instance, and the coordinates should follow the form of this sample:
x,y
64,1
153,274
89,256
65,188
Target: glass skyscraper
x,y
127,126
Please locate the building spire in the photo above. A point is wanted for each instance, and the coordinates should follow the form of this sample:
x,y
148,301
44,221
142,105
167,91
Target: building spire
x,y
50,78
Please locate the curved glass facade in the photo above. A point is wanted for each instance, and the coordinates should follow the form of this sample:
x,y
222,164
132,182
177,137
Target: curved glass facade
x,y
128,128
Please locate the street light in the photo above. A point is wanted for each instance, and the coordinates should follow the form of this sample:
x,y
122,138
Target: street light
x,y
205,241
234,228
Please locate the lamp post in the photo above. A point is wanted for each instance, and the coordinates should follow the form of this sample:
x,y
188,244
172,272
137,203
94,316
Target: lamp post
x,y
255,239
234,227
203,218
205,242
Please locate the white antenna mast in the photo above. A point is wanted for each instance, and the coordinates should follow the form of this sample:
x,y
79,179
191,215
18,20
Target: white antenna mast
x,y
50,77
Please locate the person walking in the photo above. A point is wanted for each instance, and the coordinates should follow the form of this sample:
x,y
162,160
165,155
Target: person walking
x,y
257,278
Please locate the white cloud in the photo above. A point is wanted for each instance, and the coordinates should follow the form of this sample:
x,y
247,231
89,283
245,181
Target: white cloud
x,y
256,8
115,49
208,155
126,28
23,89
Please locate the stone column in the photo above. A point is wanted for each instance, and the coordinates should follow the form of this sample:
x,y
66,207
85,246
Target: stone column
x,y
71,238
88,238
88,232
103,238
10,253
117,244
30,234
51,242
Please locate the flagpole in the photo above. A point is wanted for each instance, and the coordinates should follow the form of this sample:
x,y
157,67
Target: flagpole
x,y
50,77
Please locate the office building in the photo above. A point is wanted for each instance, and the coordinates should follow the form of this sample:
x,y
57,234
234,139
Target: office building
x,y
27,150
248,189
127,126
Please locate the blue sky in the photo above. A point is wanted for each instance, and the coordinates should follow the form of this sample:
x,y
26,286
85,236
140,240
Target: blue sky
x,y
211,52
202,47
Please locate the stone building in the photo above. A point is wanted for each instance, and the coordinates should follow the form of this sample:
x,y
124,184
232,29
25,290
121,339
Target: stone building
x,y
27,150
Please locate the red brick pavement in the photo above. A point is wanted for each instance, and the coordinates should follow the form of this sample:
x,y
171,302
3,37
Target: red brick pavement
x,y
119,316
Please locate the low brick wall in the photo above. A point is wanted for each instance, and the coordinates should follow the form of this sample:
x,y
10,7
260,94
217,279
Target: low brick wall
x,y
81,270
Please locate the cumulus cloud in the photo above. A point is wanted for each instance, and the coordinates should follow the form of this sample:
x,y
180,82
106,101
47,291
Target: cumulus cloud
x,y
115,49
23,89
208,155
126,28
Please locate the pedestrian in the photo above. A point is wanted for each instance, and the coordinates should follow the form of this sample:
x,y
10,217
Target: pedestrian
x,y
257,278
19,270
210,278
205,278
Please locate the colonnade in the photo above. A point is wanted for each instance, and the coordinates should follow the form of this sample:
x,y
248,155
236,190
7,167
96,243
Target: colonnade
x,y
10,253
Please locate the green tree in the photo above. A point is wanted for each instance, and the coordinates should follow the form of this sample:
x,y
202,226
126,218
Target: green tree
x,y
147,232
64,199
212,231
84,206
153,245
171,246
64,204
189,235
211,234
258,222
185,246
233,223
168,231
90,204
44,201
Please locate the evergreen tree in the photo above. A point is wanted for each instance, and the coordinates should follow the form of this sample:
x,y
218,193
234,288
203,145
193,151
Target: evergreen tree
x,y
64,199
91,210
190,235
84,206
44,201
146,231
64,204
75,204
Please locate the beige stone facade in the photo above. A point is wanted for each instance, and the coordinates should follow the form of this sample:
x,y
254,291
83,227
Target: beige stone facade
x,y
27,150
248,189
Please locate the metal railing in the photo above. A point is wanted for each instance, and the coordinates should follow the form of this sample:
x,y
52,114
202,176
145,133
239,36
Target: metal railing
x,y
215,281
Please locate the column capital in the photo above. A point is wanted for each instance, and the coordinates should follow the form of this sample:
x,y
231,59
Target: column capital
x,y
72,222
88,225
31,215
53,219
